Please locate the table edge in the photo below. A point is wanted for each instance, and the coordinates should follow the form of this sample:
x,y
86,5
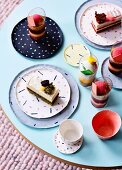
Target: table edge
x,y
60,159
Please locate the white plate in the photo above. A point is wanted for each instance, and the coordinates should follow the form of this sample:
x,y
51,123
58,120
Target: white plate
x,y
34,106
54,120
66,148
83,20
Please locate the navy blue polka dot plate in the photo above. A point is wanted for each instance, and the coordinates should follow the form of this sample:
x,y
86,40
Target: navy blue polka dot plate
x,y
45,48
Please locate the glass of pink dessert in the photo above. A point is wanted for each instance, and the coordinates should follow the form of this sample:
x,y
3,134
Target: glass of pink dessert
x,y
101,88
115,59
36,23
88,67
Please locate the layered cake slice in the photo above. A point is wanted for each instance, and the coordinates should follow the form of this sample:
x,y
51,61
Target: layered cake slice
x,y
102,21
115,60
100,93
36,25
45,89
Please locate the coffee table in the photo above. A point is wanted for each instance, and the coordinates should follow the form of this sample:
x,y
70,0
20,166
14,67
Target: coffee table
x,y
94,152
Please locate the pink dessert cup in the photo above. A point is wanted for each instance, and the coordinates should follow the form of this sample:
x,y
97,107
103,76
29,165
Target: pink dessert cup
x,y
36,23
98,99
115,59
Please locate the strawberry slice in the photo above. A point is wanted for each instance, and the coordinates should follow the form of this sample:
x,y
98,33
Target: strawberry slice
x,y
94,88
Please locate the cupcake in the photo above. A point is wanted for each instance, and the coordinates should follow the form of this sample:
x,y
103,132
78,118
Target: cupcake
x,y
36,23
115,60
100,92
88,67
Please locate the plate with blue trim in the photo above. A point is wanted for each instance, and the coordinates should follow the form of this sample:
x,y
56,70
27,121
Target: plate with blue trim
x,y
32,104
44,122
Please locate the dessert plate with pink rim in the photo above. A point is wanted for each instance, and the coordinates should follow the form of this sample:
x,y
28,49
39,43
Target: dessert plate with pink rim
x,y
35,106
116,80
51,121
66,148
102,40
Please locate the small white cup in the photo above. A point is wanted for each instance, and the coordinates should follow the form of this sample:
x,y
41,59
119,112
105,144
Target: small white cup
x,y
71,131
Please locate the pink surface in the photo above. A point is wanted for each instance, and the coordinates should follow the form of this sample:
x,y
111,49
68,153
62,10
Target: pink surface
x,y
16,153
106,124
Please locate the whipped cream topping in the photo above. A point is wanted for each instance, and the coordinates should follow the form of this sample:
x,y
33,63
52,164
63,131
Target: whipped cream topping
x,y
114,13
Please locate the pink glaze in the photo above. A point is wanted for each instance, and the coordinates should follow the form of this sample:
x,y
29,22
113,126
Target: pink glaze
x,y
117,54
106,124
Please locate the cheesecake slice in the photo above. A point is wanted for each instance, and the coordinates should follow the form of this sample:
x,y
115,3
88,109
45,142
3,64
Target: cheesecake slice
x,y
102,21
43,88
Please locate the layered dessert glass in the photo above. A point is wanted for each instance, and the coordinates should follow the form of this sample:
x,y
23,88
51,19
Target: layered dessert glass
x,y
88,67
36,23
115,59
101,88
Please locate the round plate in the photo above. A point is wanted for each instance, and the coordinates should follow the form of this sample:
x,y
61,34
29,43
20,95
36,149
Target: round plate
x,y
116,80
102,40
47,122
74,52
66,148
35,106
45,48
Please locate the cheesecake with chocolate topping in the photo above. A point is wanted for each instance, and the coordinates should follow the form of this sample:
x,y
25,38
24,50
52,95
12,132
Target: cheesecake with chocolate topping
x,y
45,89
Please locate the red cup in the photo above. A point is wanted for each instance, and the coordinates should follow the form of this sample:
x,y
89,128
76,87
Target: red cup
x,y
106,124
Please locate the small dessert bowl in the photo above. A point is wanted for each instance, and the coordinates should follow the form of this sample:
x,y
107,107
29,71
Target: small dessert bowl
x,y
106,124
71,131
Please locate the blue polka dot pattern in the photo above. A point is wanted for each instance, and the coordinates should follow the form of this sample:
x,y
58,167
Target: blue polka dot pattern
x,y
44,48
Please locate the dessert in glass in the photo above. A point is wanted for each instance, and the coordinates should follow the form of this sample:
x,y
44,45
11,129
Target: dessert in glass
x,y
36,23
88,67
101,88
115,59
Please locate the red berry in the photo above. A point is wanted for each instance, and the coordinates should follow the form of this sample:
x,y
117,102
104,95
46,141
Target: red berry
x,y
37,19
117,54
102,87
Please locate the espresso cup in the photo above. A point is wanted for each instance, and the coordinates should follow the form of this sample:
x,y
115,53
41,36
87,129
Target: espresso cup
x,y
71,131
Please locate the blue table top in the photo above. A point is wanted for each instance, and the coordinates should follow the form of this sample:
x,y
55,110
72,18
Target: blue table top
x,y
94,152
